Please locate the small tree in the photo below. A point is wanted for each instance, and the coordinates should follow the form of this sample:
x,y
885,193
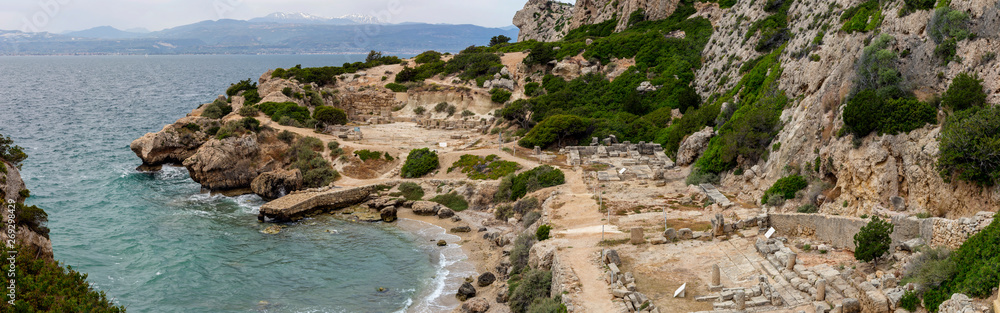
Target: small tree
x,y
10,152
965,91
873,240
501,39
373,56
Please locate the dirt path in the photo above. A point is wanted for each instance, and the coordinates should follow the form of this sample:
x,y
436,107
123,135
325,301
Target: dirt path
x,y
578,221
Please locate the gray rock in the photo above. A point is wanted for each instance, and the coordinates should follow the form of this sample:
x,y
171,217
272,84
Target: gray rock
x,y
388,214
611,256
461,229
476,305
426,208
486,279
445,213
466,292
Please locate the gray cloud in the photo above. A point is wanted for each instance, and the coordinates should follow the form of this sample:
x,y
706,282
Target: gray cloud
x,y
66,15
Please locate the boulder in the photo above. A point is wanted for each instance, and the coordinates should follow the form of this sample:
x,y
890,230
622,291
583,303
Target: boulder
x,y
461,229
541,254
851,305
172,144
670,234
388,214
277,183
502,294
685,234
445,213
611,256
466,292
912,244
959,303
234,162
442,243
426,208
384,202
476,305
486,279
693,146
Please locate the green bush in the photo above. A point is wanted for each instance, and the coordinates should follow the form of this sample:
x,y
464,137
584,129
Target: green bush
x,y
396,87
251,97
441,107
330,115
238,128
427,57
532,89
242,85
909,301
286,136
306,156
869,112
747,135
543,232
948,23
547,305
31,217
419,162
249,111
920,4
532,285
489,167
315,99
946,50
977,271
419,110
699,176
965,91
411,191
862,18
290,109
499,95
287,91
192,127
786,187
323,76
452,200
554,130
366,154
928,269
873,240
774,28
503,212
519,253
45,286
808,208
500,39
514,187
217,109
968,143
531,218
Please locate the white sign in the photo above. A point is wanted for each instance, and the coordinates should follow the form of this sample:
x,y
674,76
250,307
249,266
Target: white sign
x,y
443,145
680,291
770,232
621,171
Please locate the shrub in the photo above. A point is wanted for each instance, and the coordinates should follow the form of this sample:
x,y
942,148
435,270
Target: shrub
x,y
31,217
526,206
396,87
45,286
419,162
467,113
699,176
531,218
503,212
532,89
554,130
869,112
533,285
947,23
330,115
316,170
873,240
965,91
786,187
876,68
427,57
217,109
519,253
441,107
366,154
388,157
242,85
862,18
333,145
419,110
192,127
249,111
543,232
499,95
920,4
968,144
287,91
315,99
452,200
909,301
489,167
286,136
747,135
500,39
976,267
928,269
285,109
547,305
514,187
808,208
411,191
946,50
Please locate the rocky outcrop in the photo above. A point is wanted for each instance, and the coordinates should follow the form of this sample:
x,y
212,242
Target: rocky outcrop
x,y
277,183
960,303
173,144
234,162
476,305
32,243
466,291
543,20
692,146
426,208
548,21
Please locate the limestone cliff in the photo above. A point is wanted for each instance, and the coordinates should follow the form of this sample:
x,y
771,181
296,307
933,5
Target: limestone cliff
x,y
11,185
546,20
865,178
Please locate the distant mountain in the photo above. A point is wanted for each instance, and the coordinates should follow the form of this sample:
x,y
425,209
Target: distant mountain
x,y
138,30
104,32
362,19
294,35
301,18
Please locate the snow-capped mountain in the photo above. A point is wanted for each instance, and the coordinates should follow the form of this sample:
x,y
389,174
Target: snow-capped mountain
x,y
362,18
300,18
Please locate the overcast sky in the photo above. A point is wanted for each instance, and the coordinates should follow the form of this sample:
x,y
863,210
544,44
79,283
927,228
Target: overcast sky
x,y
68,15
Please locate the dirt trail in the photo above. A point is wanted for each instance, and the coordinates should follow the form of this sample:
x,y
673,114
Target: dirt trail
x,y
578,221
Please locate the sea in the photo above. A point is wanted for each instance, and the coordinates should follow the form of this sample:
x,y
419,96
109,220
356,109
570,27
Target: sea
x,y
158,242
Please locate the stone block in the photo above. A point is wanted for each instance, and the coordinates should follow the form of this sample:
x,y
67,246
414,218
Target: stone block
x,y
685,234
637,236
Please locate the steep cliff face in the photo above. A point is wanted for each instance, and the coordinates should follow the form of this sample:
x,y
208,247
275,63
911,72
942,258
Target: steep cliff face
x,y
864,178
234,162
548,21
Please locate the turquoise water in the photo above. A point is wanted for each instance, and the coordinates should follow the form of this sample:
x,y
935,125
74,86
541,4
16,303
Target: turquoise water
x,y
157,242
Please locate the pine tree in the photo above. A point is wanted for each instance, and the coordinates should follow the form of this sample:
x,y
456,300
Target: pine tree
x,y
873,240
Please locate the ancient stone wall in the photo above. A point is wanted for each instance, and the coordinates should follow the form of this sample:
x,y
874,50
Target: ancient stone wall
x,y
298,204
839,230
365,105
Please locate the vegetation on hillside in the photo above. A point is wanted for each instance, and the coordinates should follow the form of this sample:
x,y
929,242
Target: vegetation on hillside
x,y
785,188
419,162
976,271
489,167
327,75
863,17
306,155
513,187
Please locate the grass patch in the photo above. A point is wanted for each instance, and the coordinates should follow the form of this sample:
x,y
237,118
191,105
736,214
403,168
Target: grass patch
x,y
489,167
453,201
